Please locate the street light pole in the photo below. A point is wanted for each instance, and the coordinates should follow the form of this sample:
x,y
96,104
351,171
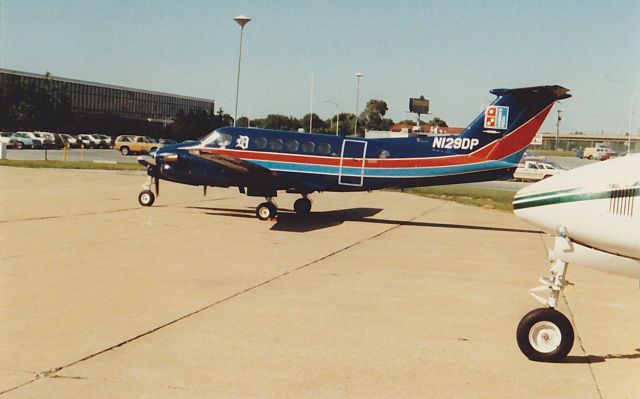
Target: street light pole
x,y
558,128
358,76
242,21
633,96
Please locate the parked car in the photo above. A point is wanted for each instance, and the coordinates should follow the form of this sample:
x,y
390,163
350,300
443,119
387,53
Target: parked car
x,y
23,140
69,140
90,141
596,152
129,144
107,139
167,141
48,139
536,170
36,138
8,139
608,155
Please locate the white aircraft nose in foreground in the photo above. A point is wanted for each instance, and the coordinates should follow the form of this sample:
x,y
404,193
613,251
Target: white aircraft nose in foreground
x,y
594,212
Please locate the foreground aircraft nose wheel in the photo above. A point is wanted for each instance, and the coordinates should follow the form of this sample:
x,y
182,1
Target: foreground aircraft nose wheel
x,y
266,210
146,198
545,335
302,206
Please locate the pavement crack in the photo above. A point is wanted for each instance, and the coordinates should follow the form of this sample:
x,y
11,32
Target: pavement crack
x,y
52,373
109,211
577,332
579,339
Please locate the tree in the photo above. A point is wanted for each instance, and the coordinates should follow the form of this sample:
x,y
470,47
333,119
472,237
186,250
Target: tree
x,y
373,114
407,122
347,123
279,122
243,121
319,126
436,121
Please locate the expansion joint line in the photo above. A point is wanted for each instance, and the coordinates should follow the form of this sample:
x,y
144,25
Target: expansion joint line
x,y
51,373
577,333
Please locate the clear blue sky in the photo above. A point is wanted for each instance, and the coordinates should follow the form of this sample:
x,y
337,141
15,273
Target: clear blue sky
x,y
453,52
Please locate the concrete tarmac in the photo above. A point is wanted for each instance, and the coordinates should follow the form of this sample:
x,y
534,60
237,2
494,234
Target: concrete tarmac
x,y
373,296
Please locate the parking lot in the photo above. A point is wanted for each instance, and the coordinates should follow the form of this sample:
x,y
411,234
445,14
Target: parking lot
x,y
374,295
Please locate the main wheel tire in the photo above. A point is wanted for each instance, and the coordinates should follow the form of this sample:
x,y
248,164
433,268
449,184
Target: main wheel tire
x,y
19,145
545,335
266,210
124,150
302,206
146,198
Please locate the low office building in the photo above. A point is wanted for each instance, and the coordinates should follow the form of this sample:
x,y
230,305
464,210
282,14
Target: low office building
x,y
113,109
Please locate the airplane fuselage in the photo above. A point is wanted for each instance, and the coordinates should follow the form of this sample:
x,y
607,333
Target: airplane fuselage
x,y
598,206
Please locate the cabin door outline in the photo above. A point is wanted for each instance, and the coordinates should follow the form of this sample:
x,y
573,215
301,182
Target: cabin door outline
x,y
348,174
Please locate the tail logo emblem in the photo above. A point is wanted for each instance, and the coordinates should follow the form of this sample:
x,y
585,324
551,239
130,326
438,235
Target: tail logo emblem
x,y
496,117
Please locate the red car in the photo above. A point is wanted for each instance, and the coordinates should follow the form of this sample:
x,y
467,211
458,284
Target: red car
x,y
608,155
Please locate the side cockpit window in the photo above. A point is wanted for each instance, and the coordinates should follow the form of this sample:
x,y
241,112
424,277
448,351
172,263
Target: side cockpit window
x,y
217,139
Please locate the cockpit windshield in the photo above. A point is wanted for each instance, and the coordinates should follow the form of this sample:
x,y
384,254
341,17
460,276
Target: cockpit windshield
x,y
216,138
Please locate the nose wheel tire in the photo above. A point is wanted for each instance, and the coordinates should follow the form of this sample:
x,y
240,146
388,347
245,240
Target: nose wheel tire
x,y
302,206
146,198
545,335
266,210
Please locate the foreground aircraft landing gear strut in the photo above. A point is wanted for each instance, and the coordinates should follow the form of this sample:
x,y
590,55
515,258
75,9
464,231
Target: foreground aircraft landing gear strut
x,y
146,196
544,334
267,210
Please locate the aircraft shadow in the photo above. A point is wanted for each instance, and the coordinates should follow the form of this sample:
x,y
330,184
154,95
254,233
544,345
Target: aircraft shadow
x,y
290,221
600,359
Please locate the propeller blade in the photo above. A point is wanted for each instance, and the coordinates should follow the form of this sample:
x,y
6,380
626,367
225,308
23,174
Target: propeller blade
x,y
157,181
204,190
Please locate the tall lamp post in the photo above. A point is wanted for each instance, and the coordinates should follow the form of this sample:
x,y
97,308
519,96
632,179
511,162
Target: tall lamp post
x,y
633,96
242,21
337,116
358,76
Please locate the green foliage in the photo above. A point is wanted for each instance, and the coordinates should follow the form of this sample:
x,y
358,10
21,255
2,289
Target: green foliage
x,y
407,122
279,122
498,199
347,123
192,125
436,121
372,116
319,126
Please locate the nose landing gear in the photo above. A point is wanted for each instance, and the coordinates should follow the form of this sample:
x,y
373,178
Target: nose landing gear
x,y
146,196
546,335
267,210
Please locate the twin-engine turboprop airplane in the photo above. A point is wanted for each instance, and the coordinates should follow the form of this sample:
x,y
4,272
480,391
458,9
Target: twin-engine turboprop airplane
x,y
262,162
594,211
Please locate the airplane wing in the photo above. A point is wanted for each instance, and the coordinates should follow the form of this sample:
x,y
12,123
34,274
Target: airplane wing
x,y
251,173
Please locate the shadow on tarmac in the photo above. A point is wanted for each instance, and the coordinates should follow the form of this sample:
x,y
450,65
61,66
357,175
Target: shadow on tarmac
x,y
600,359
289,221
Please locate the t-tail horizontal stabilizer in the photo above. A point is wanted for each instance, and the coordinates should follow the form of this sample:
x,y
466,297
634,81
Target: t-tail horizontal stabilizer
x,y
509,124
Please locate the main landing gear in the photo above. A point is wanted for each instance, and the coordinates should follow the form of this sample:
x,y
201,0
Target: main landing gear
x,y
544,334
269,210
146,196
